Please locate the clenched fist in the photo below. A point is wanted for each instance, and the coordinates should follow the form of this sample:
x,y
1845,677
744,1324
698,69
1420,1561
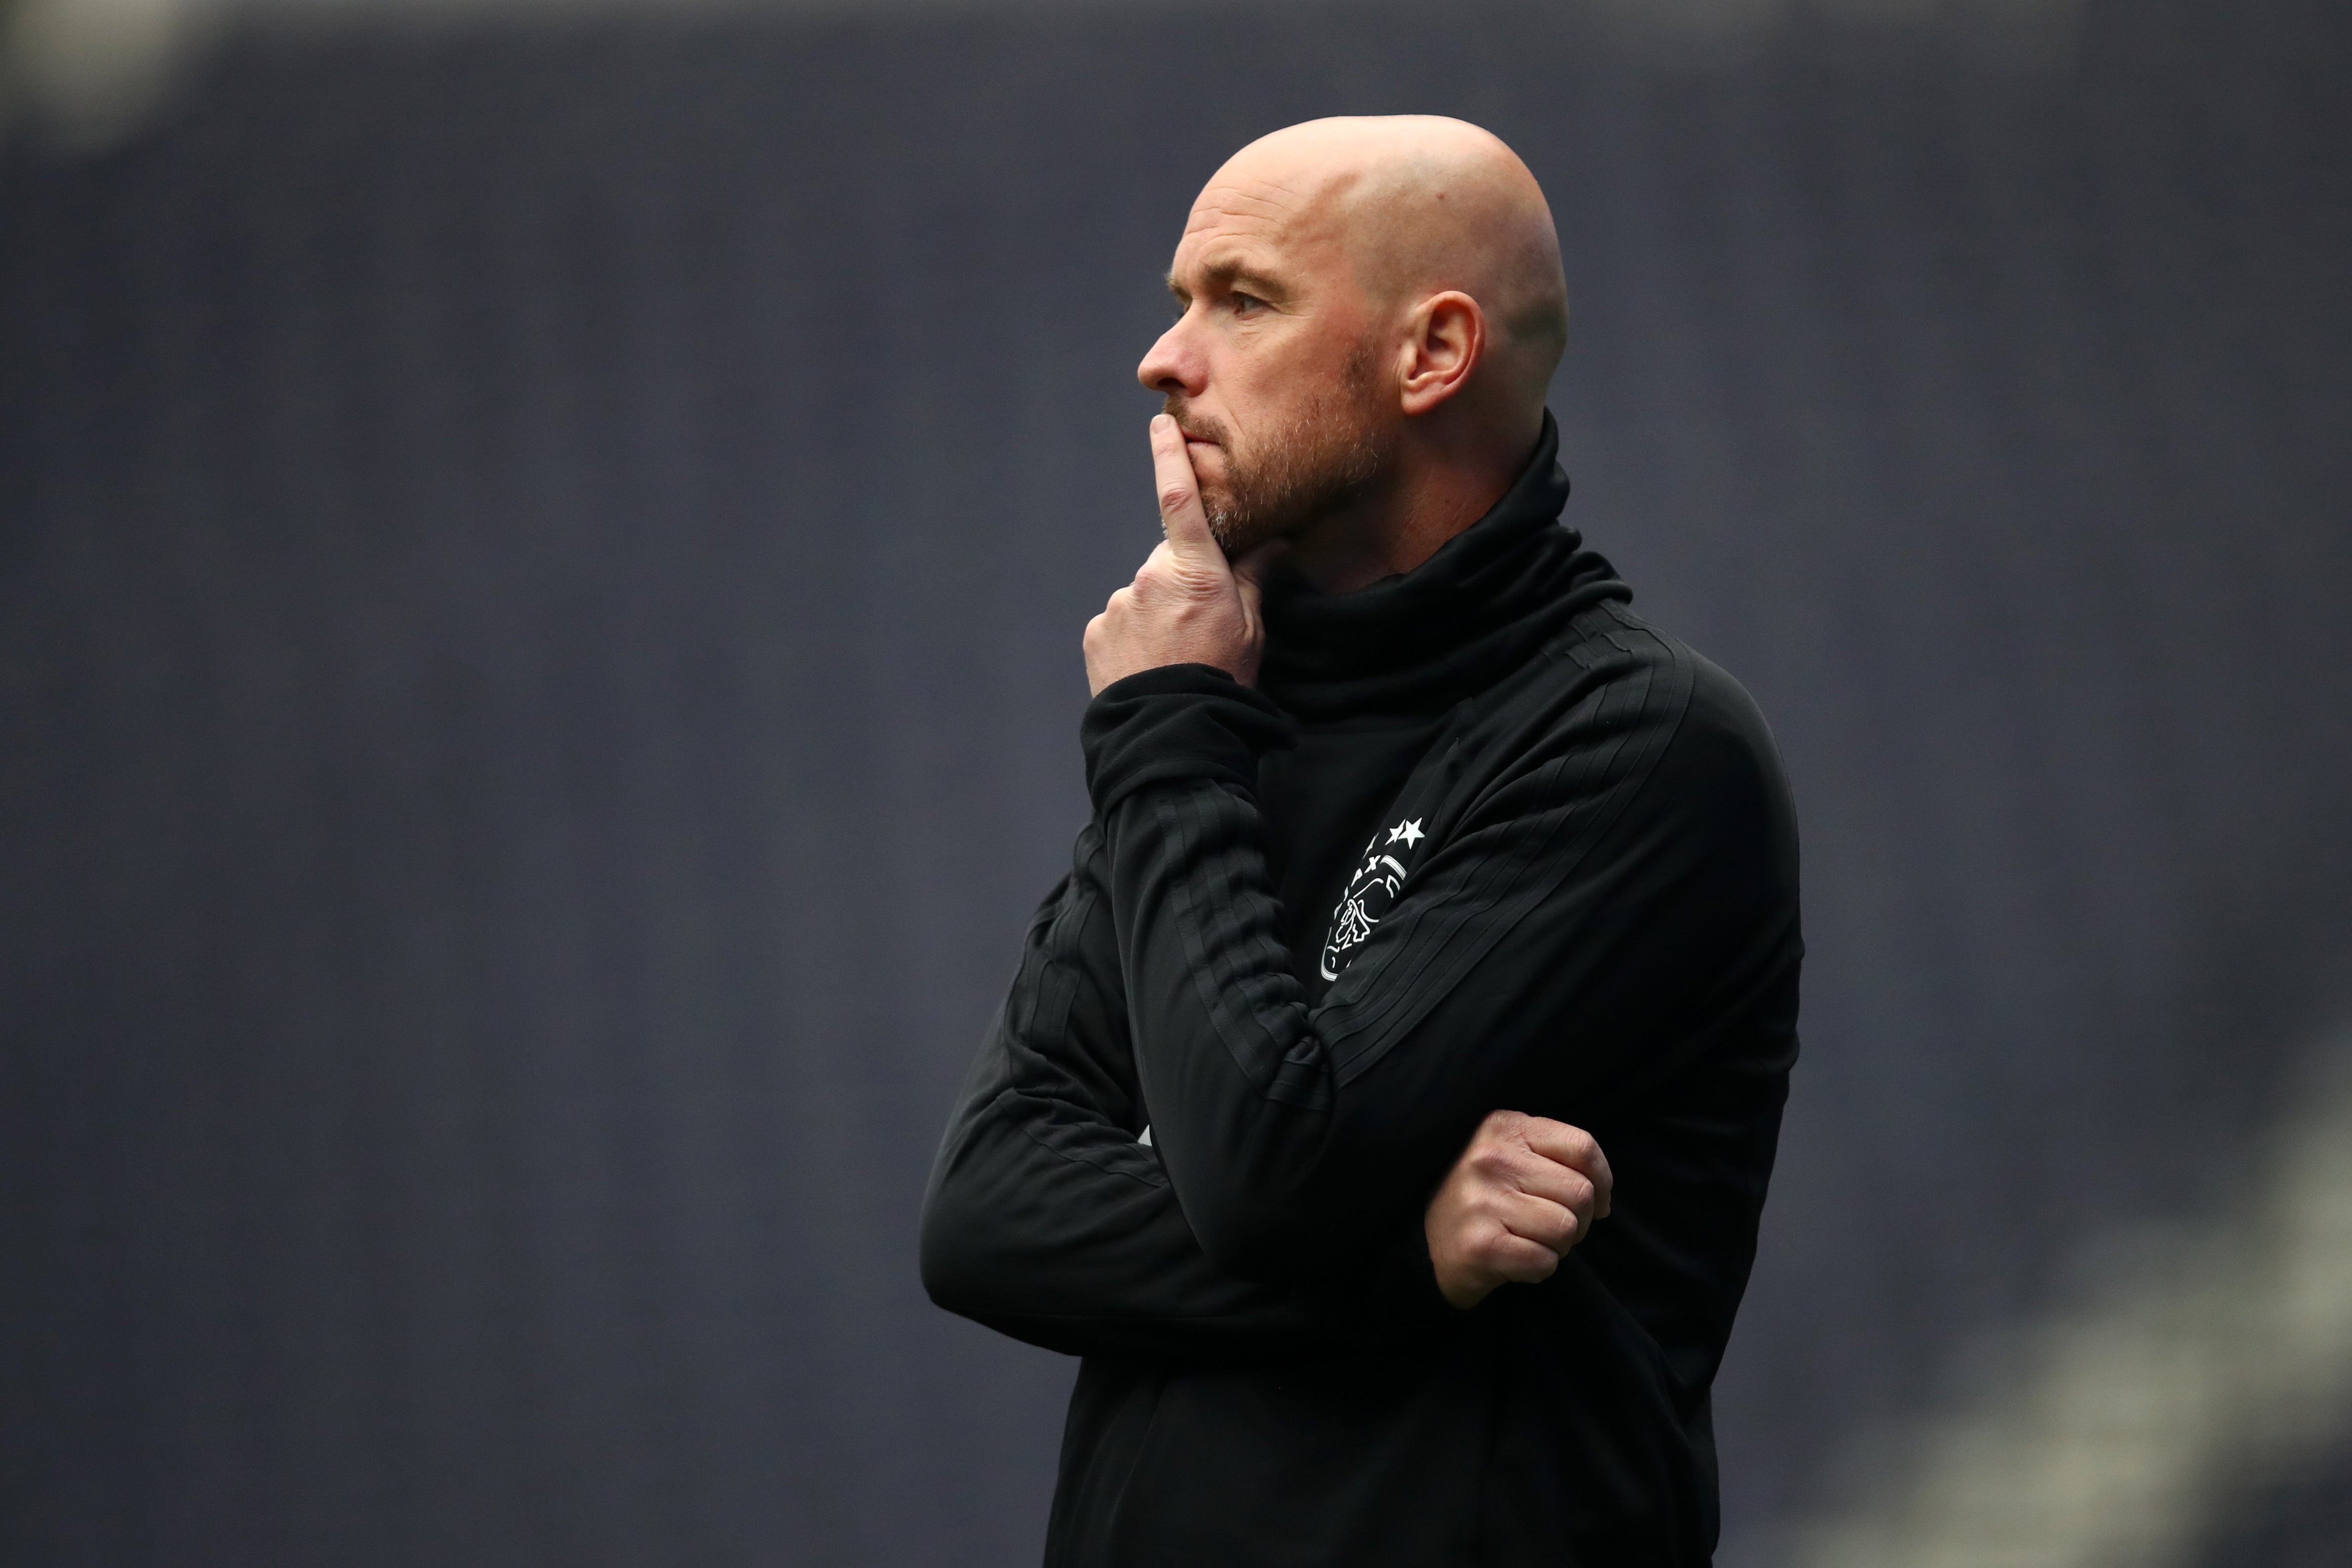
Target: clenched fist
x,y
1523,1193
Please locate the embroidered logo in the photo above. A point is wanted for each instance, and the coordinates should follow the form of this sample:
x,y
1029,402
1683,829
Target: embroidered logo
x,y
1370,891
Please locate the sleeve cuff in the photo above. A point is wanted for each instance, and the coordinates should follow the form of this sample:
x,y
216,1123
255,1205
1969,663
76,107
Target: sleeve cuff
x,y
1181,722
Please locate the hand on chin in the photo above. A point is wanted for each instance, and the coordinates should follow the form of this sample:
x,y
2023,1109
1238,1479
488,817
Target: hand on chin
x,y
1188,604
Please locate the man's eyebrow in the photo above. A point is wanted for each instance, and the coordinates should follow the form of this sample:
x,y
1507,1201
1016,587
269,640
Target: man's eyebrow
x,y
1231,274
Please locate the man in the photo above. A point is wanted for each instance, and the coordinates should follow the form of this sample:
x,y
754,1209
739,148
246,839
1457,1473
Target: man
x,y
1408,835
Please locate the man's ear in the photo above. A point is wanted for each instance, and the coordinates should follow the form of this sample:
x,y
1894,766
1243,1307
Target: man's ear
x,y
1444,341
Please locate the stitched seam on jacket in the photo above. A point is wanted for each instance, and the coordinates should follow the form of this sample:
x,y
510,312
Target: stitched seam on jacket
x,y
1029,1131
1233,997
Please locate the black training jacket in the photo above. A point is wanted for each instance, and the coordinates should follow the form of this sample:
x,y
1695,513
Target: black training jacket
x,y
1481,839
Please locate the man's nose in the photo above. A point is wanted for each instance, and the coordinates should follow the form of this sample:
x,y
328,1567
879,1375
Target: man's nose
x,y
1171,366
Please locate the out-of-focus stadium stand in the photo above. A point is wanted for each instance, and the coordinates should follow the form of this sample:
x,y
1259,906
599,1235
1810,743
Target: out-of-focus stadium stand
x,y
541,560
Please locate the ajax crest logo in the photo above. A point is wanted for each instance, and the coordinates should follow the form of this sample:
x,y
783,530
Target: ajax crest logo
x,y
1370,891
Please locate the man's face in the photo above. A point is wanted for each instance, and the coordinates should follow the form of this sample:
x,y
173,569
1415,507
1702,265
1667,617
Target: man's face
x,y
1272,369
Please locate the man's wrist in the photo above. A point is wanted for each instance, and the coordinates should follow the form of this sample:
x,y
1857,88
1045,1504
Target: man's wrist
x,y
1177,722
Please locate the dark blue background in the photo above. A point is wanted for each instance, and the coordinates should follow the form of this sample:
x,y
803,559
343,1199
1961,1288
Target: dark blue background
x,y
540,578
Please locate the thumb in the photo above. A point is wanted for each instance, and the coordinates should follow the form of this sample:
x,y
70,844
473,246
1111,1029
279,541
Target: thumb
x,y
1182,515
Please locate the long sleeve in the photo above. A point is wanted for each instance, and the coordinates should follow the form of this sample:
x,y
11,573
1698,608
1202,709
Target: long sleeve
x,y
1048,1220
1580,911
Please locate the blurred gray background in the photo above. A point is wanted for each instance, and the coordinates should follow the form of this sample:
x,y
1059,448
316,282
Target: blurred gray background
x,y
542,555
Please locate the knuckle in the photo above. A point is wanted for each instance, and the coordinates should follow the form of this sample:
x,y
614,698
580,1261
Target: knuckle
x,y
1173,498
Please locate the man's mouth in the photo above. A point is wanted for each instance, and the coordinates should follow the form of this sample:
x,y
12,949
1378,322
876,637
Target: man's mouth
x,y
1195,440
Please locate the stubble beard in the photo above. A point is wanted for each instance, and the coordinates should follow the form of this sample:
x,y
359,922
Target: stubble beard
x,y
1328,457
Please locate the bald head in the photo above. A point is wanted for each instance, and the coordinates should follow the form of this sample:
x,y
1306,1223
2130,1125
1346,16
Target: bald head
x,y
1414,204
1370,314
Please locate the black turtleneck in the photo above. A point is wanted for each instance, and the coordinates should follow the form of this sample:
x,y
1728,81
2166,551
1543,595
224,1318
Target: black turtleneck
x,y
1369,675
1481,839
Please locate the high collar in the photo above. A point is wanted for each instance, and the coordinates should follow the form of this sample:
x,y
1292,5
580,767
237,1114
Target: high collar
x,y
1419,641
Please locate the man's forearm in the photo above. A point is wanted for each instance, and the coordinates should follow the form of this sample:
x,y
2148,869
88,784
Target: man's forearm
x,y
1047,1219
1026,1233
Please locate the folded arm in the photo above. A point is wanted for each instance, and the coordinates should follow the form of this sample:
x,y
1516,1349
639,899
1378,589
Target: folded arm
x,y
1049,1219
1538,936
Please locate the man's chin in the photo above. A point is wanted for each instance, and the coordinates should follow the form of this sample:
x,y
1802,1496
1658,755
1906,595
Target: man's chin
x,y
1237,539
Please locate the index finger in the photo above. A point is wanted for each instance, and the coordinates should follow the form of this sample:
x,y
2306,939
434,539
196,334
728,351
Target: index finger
x,y
1182,515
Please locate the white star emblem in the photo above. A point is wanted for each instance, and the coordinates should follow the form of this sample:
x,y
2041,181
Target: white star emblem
x,y
1409,831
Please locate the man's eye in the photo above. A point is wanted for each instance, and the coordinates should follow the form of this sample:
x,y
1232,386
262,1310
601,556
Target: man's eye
x,y
1245,303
